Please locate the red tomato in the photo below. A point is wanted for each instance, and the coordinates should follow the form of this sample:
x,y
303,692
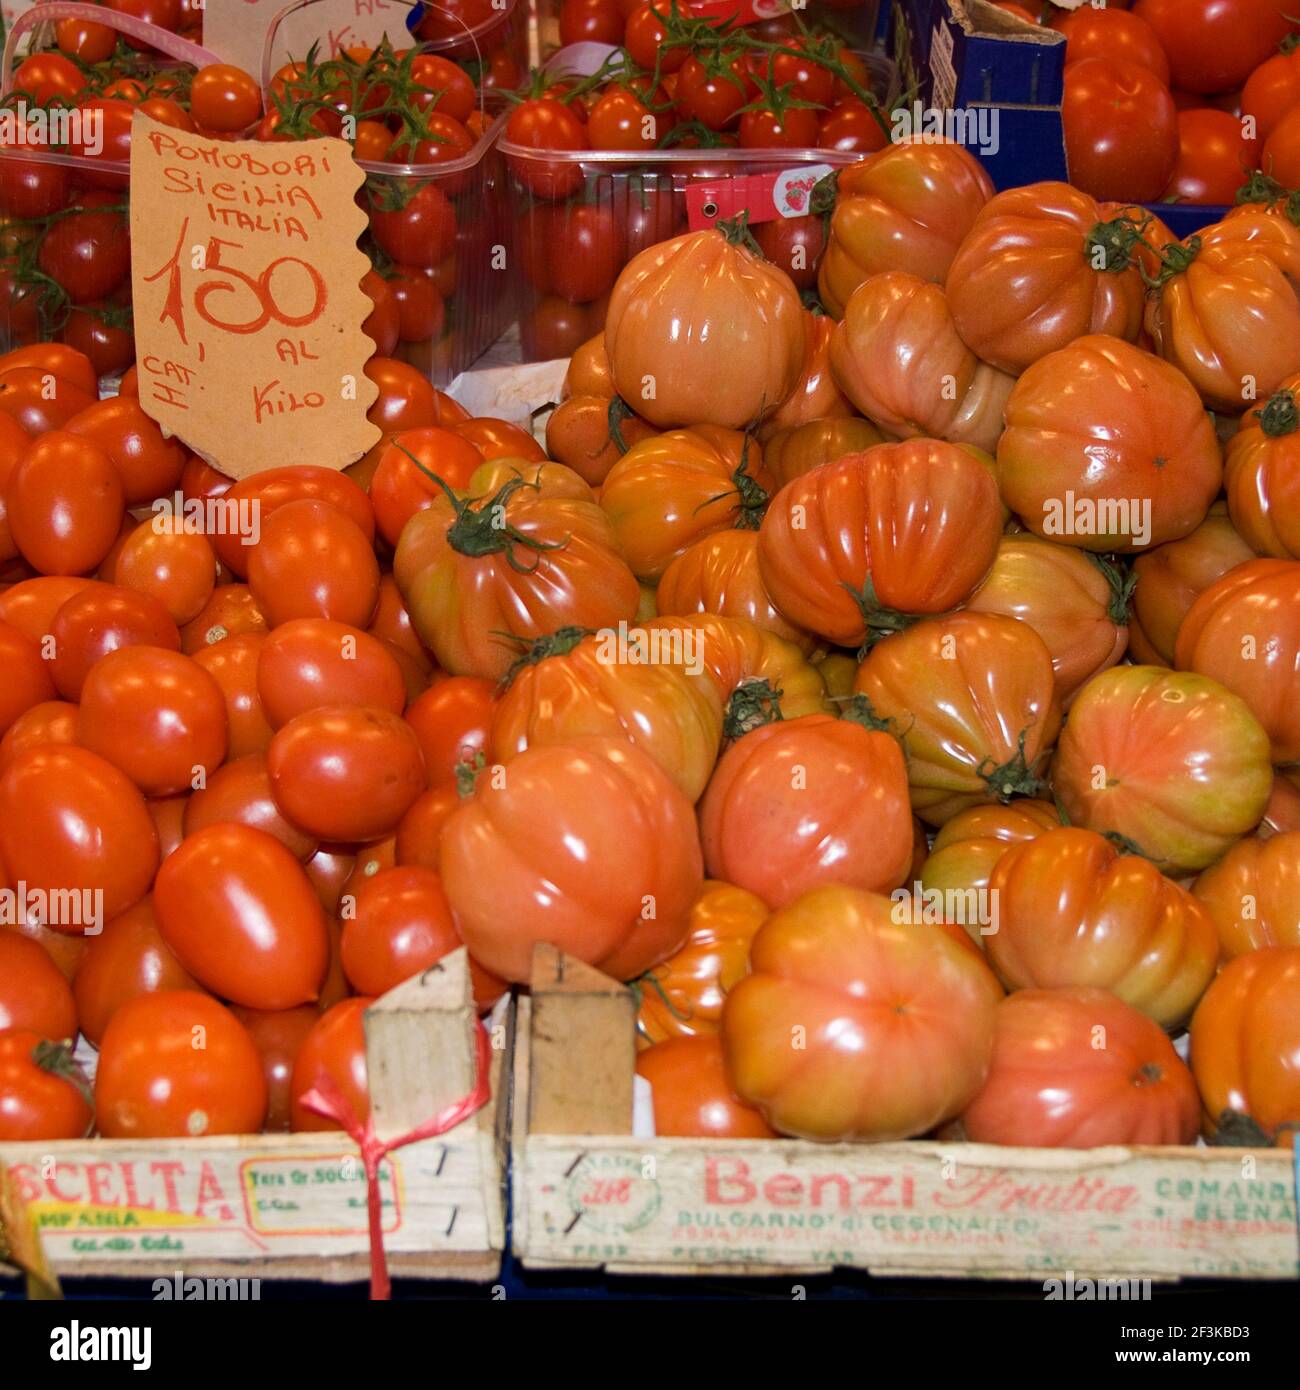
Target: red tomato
x,y
852,128
1253,892
46,76
174,565
27,675
242,917
27,395
382,323
99,620
453,722
148,464
1281,157
843,818
232,663
309,662
88,251
1214,45
44,1094
1051,1086
796,129
896,1020
51,721
406,399
335,1048
278,1035
230,611
225,98
33,993
439,85
421,313
622,120
712,96
397,924
1112,33
155,714
414,224
693,1098
402,485
154,1083
499,439
70,820
313,562
585,252
345,772
1121,130
1271,91
129,957
544,123
240,791
419,834
596,21
1214,157
64,504
515,875
30,605
644,35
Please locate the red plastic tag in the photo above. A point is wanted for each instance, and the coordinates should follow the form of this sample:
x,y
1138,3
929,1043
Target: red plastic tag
x,y
765,197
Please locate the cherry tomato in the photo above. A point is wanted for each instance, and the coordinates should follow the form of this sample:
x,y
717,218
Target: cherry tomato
x,y
383,322
104,138
88,251
851,127
621,120
712,97
33,993
421,313
85,39
644,35
225,98
154,1083
47,76
416,226
544,123
594,21
439,85
94,329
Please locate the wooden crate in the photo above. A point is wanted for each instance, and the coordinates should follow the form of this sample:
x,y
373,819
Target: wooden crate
x,y
587,1194
294,1205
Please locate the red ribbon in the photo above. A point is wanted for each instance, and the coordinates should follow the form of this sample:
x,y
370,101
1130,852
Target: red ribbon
x,y
326,1099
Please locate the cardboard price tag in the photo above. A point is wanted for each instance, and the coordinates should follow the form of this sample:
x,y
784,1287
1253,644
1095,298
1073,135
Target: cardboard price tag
x,y
246,277
236,29
765,197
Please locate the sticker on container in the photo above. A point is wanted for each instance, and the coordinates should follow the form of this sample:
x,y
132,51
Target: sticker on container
x,y
236,29
765,197
246,281
738,11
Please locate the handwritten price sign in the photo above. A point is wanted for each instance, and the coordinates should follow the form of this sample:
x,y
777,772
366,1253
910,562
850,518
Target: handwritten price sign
x,y
248,304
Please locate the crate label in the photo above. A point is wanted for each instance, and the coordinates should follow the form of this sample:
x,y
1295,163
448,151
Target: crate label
x,y
765,197
944,87
246,282
235,30
923,1207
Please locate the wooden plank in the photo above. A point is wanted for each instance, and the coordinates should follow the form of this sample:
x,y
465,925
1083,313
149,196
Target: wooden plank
x,y
294,1205
583,1048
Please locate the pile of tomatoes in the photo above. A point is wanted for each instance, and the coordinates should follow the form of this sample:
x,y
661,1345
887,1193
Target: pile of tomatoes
x,y
64,252
1178,100
676,83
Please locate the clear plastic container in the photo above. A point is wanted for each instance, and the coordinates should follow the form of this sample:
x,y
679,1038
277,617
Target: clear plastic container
x,y
566,251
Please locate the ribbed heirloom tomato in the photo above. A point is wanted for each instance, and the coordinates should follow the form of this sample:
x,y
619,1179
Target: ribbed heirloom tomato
x,y
1051,1085
1262,474
1073,911
692,1093
901,529
972,696
802,803
1172,762
1253,893
967,848
896,1021
517,860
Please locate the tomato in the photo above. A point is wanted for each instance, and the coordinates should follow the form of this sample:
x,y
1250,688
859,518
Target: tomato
x,y
897,356
241,916
232,663
27,676
1243,631
30,188
229,612
33,993
579,435
1121,129
713,90
88,250
644,35
421,313
545,124
278,1036
1271,91
64,504
515,876
668,491
623,119
346,772
1073,911
413,224
1214,157
586,250
38,405
419,833
683,996
1107,448
968,847
1040,268
391,624
719,573
1282,814
555,328
1243,1042
44,1094
792,452
313,562
900,529
1233,358
31,604
1171,576
1262,475
263,494
46,76
844,818
453,721
99,620
406,400
240,791
870,996
1051,1086
499,439
101,330
700,330
335,1049
309,662
796,129
398,925
69,820
989,715
148,464
907,207
851,127
531,553
1213,45
153,1083
568,686
155,714
225,98
171,563
1281,157
50,721
692,1095
1171,761
439,85
383,322
1253,894
402,485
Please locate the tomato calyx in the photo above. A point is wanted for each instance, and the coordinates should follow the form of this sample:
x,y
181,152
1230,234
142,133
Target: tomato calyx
x,y
1015,777
879,621
483,530
1174,260
1122,583
1280,415
735,231
1235,1130
859,710
1110,246
532,653
619,410
753,496
56,1059
652,981
1125,845
753,703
